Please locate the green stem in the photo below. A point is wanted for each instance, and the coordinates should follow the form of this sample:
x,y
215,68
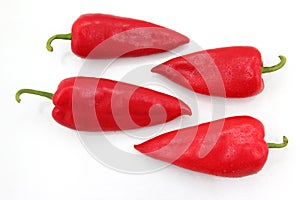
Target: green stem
x,y
30,91
280,145
58,36
275,67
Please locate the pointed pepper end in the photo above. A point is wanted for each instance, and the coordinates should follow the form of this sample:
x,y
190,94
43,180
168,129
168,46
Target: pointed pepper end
x,y
138,147
159,69
185,109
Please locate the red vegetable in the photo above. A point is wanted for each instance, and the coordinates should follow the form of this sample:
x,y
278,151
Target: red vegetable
x,y
122,35
227,72
239,150
92,104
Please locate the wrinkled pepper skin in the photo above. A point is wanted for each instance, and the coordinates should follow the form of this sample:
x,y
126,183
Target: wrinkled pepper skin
x,y
227,72
97,104
239,151
122,34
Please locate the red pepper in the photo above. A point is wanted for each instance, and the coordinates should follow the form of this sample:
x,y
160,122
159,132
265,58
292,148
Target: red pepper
x,y
240,149
124,34
92,104
227,72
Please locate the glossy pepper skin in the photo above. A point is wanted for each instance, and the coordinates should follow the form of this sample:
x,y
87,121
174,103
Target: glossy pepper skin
x,y
123,37
92,104
240,149
228,71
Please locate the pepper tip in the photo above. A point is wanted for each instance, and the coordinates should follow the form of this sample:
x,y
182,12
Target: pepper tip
x,y
158,69
137,147
185,109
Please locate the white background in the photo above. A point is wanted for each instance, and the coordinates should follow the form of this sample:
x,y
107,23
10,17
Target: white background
x,y
40,159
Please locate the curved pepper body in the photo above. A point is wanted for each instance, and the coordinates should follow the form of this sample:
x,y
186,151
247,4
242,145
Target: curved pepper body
x,y
92,104
121,34
237,68
240,149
